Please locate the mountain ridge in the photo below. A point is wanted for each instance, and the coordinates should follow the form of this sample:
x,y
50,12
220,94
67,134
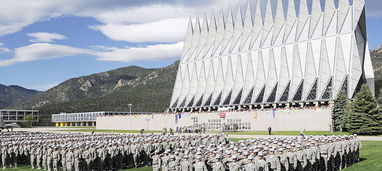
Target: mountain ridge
x,y
12,94
149,90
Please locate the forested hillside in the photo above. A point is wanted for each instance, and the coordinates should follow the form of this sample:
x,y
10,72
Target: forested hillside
x,y
14,94
149,90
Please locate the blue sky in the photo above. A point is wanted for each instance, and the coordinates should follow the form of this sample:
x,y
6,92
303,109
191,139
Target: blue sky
x,y
45,42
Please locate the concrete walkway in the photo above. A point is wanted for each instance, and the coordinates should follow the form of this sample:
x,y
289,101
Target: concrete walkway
x,y
58,129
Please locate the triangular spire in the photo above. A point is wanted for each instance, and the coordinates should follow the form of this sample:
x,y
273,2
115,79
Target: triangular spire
x,y
291,19
204,28
193,84
239,79
260,77
315,17
356,68
212,23
284,77
203,38
328,14
297,71
268,22
358,6
324,70
188,39
219,33
310,71
201,83
257,25
219,83
291,10
195,41
271,74
177,87
228,32
248,25
279,21
302,18
211,36
197,28
340,72
343,8
238,28
210,82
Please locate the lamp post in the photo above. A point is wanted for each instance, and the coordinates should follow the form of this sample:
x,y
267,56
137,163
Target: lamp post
x,y
131,126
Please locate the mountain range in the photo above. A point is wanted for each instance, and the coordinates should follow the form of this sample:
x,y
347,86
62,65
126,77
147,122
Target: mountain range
x,y
13,94
149,90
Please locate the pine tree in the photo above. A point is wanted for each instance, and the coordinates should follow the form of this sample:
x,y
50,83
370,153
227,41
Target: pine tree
x,y
365,115
379,97
340,114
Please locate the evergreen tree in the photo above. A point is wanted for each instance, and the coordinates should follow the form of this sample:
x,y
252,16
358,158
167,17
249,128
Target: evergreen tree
x,y
379,97
340,114
365,115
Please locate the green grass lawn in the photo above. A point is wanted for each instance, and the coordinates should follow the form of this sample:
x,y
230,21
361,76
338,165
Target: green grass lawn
x,y
286,133
371,157
109,131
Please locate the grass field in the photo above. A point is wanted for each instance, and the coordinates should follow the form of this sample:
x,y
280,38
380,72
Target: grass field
x,y
371,157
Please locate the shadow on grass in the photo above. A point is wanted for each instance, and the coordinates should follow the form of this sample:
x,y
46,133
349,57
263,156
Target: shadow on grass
x,y
362,159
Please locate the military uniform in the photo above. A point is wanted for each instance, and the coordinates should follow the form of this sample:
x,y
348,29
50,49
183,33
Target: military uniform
x,y
69,160
56,158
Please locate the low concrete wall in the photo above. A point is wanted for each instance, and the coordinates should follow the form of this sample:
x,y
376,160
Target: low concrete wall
x,y
279,120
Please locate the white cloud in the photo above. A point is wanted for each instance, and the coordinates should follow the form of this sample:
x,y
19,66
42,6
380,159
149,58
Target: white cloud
x,y
46,51
142,14
42,51
148,53
16,14
4,49
45,37
170,30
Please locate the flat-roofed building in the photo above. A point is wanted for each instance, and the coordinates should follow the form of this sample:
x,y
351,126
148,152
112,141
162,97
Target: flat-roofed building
x,y
11,115
83,118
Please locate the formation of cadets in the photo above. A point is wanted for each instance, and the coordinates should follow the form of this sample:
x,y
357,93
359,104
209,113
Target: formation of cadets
x,y
263,154
88,152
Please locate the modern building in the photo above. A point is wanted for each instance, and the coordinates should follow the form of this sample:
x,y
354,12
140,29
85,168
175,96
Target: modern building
x,y
9,115
286,57
84,118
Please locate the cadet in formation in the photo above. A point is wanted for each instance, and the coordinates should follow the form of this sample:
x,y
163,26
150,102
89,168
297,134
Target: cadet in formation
x,y
309,153
87,152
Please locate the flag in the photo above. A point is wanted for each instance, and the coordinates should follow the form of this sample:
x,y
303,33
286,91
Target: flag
x,y
273,113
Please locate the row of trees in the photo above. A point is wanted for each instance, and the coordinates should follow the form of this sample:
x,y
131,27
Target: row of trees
x,y
361,115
